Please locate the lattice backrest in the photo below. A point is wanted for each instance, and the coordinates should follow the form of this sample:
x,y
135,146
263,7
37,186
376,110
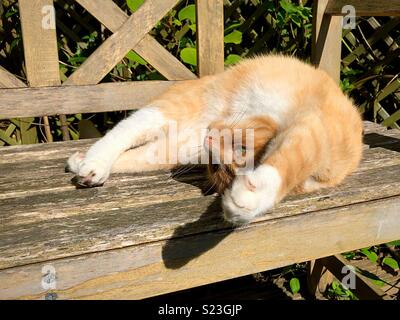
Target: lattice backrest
x,y
129,32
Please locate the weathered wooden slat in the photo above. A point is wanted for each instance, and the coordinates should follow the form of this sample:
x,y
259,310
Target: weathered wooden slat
x,y
112,17
156,268
326,44
210,36
366,7
78,99
114,49
40,49
8,80
40,44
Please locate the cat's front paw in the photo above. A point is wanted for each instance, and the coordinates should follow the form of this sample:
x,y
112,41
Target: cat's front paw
x,y
89,172
251,194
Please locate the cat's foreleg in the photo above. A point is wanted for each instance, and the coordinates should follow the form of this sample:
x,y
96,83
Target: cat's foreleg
x,y
149,157
95,167
292,158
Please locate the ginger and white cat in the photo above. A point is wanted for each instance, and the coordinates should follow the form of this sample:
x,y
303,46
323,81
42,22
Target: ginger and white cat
x,y
307,133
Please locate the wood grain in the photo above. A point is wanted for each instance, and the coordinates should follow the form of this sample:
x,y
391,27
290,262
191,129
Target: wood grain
x,y
210,36
326,44
156,268
112,17
8,80
366,7
79,99
99,63
40,45
41,52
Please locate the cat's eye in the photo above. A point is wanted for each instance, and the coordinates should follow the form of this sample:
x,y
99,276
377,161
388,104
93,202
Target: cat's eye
x,y
241,149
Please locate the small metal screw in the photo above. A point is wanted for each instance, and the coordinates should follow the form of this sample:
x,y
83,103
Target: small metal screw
x,y
51,296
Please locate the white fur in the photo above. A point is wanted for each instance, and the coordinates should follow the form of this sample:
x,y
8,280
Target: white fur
x,y
259,98
136,129
241,204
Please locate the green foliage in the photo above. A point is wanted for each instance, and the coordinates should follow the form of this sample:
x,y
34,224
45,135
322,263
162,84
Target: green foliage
x,y
134,58
391,263
232,59
234,37
189,56
294,285
337,291
394,243
187,13
133,5
371,255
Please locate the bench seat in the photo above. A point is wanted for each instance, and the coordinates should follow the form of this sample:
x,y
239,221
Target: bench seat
x,y
142,235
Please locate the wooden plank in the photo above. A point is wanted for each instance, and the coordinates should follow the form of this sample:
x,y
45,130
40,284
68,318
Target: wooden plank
x,y
8,80
318,278
41,52
114,49
112,17
40,45
327,34
210,36
366,7
165,266
79,99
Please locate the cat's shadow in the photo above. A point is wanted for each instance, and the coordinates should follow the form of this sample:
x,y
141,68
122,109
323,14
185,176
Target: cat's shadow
x,y
192,239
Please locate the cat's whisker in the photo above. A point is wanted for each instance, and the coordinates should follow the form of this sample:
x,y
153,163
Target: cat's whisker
x,y
210,188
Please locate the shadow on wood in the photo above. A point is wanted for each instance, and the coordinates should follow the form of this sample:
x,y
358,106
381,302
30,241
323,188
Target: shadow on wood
x,y
374,140
178,251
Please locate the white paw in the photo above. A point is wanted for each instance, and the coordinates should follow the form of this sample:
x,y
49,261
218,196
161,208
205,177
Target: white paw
x,y
74,161
251,194
89,172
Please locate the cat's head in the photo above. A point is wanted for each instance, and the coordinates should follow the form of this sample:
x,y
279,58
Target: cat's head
x,y
232,147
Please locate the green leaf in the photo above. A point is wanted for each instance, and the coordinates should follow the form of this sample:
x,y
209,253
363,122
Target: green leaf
x,y
378,282
177,22
391,263
374,278
232,59
349,255
134,57
189,56
294,285
394,243
288,6
232,26
193,28
372,256
133,5
188,13
234,37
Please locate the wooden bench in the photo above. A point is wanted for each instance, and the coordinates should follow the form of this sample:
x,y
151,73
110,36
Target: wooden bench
x,y
142,235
